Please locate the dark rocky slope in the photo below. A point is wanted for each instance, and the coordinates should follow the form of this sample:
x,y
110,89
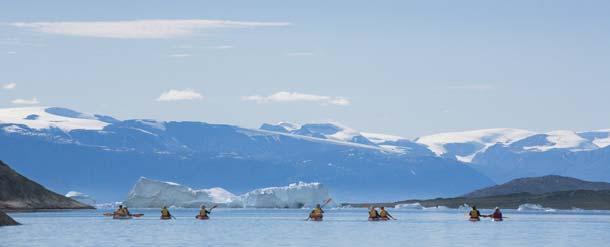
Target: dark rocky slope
x,y
539,185
6,220
19,193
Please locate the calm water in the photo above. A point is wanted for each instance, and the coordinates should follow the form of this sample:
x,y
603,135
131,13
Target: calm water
x,y
342,227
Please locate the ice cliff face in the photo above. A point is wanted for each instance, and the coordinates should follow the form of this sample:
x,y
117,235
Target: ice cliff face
x,y
295,195
148,193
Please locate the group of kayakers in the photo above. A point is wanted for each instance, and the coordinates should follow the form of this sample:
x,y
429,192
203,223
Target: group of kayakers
x,y
317,214
475,215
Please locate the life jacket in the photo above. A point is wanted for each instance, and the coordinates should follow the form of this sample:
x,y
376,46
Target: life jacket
x,y
165,212
383,213
317,211
497,215
203,213
475,214
373,213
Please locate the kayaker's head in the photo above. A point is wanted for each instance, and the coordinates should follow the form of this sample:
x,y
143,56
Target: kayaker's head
x,y
164,207
474,207
382,208
497,209
120,206
317,205
202,206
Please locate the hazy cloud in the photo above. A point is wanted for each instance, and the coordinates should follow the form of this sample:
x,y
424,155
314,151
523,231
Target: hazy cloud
x,y
139,29
299,54
9,86
175,95
180,55
33,101
297,97
475,87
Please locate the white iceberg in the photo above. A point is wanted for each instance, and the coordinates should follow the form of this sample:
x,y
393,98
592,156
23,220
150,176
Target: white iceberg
x,y
297,195
416,205
149,193
534,207
81,197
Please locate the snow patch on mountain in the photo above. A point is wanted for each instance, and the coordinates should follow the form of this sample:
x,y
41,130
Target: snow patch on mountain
x,y
43,118
381,138
81,197
562,139
479,140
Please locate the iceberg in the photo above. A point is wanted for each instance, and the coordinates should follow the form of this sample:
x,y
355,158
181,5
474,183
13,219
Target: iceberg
x,y
297,195
81,197
416,205
534,207
149,193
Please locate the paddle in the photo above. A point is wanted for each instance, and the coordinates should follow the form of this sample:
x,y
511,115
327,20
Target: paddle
x,y
324,204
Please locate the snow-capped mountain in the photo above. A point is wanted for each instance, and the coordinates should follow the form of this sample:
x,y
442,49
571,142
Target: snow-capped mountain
x,y
66,150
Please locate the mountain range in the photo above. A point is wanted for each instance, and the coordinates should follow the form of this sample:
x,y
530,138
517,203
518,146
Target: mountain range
x,y
102,156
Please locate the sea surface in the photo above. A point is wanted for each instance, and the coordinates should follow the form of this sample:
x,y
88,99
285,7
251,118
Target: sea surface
x,y
286,227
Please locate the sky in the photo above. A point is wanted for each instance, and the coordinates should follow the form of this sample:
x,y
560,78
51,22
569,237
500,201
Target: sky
x,y
408,68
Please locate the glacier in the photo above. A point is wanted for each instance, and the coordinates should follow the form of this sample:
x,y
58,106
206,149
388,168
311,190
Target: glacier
x,y
149,193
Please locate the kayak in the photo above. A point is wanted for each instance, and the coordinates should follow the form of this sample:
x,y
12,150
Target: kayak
x,y
316,219
199,217
497,219
166,218
119,217
474,219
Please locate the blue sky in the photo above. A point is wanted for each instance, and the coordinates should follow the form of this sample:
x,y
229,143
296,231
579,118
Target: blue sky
x,y
400,67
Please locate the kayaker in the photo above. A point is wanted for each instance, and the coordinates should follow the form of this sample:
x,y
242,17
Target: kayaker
x,y
317,213
496,215
120,211
385,215
203,213
474,214
165,213
373,214
126,211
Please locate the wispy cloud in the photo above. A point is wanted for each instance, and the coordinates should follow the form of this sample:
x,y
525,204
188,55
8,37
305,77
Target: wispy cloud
x,y
474,87
221,47
139,29
9,86
299,54
180,55
11,52
33,101
176,95
297,97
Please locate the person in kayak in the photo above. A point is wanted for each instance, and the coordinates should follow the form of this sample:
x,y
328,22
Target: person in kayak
x,y
126,211
317,213
120,211
165,213
373,214
203,213
496,215
474,214
385,215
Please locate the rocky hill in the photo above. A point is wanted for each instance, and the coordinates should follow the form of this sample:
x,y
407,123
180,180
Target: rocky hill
x,y
19,193
539,185
6,220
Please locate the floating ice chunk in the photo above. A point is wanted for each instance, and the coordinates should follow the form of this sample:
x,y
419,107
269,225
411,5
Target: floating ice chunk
x,y
297,195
